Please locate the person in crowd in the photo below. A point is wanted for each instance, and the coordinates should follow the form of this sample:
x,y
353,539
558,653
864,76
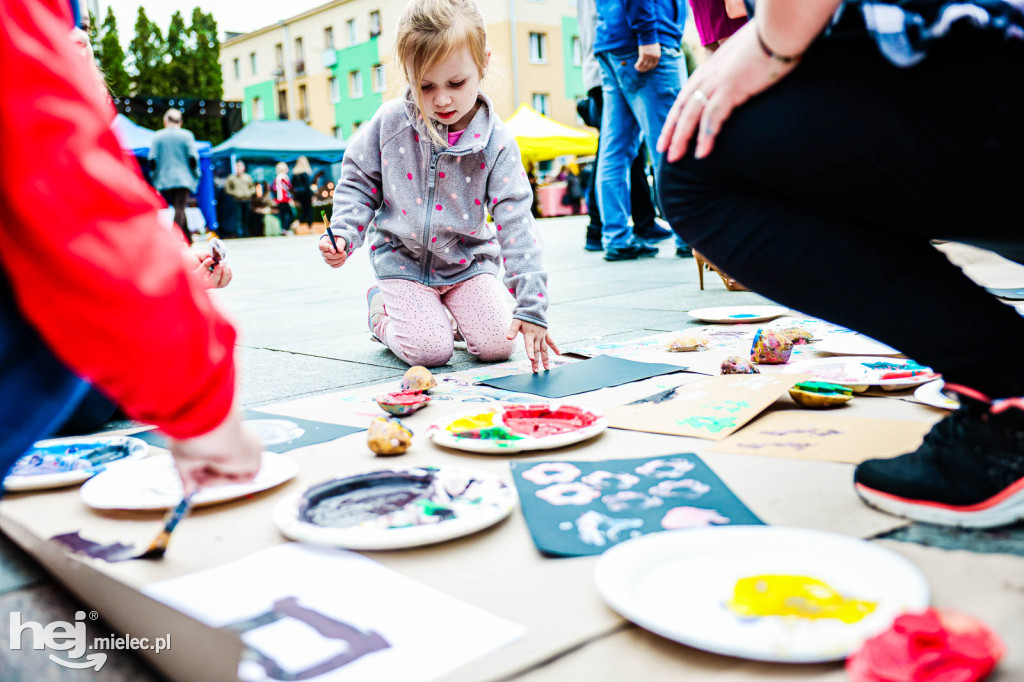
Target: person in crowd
x,y
241,189
302,191
573,190
417,180
281,192
637,46
717,20
832,213
174,166
65,295
590,111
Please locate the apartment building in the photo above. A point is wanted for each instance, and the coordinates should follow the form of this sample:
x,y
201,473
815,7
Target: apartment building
x,y
332,65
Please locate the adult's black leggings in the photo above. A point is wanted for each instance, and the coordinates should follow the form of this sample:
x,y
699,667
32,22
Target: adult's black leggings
x,y
822,193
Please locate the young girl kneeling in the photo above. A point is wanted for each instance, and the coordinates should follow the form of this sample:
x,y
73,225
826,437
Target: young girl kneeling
x,y
418,178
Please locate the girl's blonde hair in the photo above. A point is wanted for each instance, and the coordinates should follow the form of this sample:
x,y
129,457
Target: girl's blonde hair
x,y
302,166
428,32
281,167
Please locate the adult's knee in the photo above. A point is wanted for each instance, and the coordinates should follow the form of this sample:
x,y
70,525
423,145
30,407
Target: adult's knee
x,y
692,197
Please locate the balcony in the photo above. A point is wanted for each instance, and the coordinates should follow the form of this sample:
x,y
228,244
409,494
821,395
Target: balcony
x,y
300,67
278,73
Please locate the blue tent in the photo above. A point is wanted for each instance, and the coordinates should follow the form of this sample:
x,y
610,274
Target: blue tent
x,y
280,141
136,139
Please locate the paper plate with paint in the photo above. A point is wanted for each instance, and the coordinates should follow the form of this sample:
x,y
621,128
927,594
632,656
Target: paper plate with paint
x,y
765,593
396,507
738,314
854,344
153,483
504,429
931,394
860,373
59,462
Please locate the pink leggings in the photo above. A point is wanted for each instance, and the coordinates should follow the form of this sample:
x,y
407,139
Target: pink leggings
x,y
417,329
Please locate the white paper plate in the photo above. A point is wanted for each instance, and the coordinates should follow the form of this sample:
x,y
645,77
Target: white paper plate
x,y
477,500
439,433
850,372
153,483
853,344
676,584
931,394
739,314
137,448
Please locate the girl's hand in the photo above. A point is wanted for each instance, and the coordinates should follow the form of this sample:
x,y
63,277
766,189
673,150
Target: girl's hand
x,y
536,339
733,74
335,257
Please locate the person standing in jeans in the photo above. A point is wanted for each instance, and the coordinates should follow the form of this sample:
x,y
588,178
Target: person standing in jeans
x,y
174,166
637,47
590,111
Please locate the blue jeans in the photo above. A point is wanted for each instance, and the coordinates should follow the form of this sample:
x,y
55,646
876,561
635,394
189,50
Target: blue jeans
x,y
635,104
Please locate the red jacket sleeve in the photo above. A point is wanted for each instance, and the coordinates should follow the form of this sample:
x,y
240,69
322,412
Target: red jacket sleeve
x,y
91,268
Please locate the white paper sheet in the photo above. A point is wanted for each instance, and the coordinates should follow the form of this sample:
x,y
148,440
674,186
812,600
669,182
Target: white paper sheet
x,y
330,606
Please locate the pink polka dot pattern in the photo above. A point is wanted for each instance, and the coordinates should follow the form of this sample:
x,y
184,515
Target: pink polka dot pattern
x,y
482,165
462,261
477,201
373,190
499,228
439,207
441,174
361,228
409,175
433,239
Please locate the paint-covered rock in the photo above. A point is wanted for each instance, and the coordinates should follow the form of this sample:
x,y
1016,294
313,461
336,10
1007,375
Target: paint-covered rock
x,y
686,342
819,394
770,348
737,364
798,335
386,436
418,379
402,403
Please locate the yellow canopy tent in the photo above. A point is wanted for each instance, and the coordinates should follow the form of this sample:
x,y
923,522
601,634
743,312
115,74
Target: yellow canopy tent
x,y
541,138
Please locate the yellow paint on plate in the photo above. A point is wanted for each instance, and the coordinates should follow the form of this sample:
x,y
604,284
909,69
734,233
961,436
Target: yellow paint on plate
x,y
795,595
476,421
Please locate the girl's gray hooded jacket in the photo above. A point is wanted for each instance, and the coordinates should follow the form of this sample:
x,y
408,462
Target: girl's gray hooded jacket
x,y
424,205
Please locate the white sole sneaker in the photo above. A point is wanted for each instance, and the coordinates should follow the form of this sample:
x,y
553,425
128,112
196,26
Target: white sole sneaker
x,y
999,510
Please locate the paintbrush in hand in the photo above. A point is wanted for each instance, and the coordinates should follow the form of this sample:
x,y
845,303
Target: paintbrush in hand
x,y
158,547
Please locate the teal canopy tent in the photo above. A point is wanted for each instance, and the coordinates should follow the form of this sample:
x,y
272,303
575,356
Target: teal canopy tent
x,y
280,141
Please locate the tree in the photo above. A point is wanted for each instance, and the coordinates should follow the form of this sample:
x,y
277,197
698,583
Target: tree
x,y
110,56
206,76
147,52
177,67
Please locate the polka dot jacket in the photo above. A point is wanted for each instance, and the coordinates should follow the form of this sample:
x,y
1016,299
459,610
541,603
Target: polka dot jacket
x,y
423,206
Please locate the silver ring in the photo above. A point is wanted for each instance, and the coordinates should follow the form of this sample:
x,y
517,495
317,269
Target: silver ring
x,y
699,94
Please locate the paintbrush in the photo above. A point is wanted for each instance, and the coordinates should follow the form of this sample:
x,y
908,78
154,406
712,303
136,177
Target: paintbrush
x,y
158,547
327,225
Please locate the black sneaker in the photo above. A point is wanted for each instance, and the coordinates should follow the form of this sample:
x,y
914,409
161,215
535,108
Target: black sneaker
x,y
653,233
968,472
684,252
631,252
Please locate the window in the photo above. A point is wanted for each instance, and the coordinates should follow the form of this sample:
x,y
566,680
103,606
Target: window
x,y
375,23
355,125
252,62
380,82
257,109
540,103
332,83
335,131
329,38
538,48
350,32
238,68
282,104
355,84
279,55
577,51
299,54
303,103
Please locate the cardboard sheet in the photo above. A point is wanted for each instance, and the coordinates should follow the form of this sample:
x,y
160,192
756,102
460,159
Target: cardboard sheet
x,y
709,408
825,436
279,434
314,613
583,508
581,377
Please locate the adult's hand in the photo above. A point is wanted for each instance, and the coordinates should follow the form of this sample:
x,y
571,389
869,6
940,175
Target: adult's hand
x,y
733,74
650,55
228,454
